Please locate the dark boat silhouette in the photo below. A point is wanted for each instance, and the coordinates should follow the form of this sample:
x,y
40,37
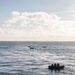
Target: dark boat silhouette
x,y
31,47
56,67
44,46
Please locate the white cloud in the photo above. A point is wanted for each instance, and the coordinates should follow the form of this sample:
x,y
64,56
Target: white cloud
x,y
37,24
15,14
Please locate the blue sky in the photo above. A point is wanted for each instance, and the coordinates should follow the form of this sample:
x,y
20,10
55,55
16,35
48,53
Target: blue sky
x,y
34,5
57,15
7,6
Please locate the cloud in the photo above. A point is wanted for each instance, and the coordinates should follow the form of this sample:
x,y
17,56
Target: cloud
x,y
37,21
36,18
37,24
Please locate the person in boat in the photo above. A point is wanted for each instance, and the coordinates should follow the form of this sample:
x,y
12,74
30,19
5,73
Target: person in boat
x,y
55,67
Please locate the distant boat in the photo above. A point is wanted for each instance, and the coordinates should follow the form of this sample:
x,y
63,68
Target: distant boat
x,y
44,46
31,47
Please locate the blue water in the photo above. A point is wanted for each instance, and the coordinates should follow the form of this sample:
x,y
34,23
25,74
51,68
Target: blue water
x,y
16,58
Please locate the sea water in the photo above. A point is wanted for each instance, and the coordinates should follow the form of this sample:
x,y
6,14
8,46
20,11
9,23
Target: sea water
x,y
17,58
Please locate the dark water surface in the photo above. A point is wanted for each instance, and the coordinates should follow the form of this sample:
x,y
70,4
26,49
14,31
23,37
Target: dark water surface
x,y
16,58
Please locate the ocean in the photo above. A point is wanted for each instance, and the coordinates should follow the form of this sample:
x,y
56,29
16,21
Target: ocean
x,y
33,58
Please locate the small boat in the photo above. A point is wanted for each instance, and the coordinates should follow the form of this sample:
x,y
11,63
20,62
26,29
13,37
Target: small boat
x,y
31,47
56,67
44,46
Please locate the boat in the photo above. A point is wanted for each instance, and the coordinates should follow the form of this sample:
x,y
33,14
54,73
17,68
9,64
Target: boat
x,y
56,67
31,47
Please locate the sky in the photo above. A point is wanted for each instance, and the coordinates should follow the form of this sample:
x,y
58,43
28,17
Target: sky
x,y
37,20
